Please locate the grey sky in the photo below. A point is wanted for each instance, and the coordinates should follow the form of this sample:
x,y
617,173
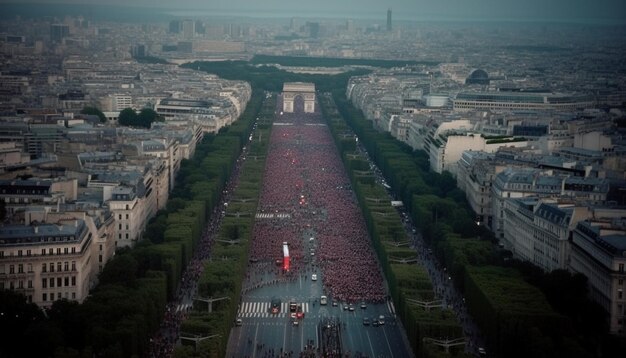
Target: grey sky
x,y
525,10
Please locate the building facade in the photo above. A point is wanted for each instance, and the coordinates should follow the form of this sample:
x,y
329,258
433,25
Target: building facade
x,y
47,262
599,252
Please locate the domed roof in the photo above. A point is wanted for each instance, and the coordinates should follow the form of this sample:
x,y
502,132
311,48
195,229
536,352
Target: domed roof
x,y
479,75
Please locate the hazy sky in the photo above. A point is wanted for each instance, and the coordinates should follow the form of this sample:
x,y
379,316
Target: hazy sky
x,y
525,10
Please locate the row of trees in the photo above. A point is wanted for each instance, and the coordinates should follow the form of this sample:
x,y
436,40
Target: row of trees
x,y
224,273
510,305
127,306
269,78
128,116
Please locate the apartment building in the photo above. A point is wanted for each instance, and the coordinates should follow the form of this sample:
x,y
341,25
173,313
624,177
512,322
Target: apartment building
x,y
599,252
47,262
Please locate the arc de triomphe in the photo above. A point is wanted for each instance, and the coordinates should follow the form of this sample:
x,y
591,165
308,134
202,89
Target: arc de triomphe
x,y
293,89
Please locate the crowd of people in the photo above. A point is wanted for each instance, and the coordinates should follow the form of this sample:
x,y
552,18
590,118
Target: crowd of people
x,y
305,178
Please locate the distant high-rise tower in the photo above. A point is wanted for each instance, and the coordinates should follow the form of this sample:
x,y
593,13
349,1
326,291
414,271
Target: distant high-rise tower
x,y
389,19
58,32
176,26
189,29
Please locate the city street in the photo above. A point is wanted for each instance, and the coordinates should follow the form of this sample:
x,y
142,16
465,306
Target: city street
x,y
309,241
260,328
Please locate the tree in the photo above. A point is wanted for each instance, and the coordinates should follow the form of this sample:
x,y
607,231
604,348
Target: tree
x,y
94,112
127,117
122,269
146,116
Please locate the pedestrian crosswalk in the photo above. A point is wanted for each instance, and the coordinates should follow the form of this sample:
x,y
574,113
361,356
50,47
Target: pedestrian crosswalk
x,y
273,216
184,307
262,309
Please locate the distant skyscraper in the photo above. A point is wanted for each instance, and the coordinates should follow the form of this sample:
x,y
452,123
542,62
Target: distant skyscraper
x,y
350,25
176,26
313,29
58,32
389,19
189,29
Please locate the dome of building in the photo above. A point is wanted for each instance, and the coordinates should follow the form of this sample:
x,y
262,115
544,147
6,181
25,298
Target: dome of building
x,y
478,77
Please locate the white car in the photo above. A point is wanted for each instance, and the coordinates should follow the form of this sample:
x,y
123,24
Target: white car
x,y
314,277
381,319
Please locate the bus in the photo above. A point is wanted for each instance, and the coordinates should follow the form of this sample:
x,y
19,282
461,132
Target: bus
x,y
323,300
285,256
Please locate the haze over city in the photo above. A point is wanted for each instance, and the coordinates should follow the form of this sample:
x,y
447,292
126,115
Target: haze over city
x,y
577,11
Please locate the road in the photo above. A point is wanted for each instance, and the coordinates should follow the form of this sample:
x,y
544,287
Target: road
x,y
302,216
260,328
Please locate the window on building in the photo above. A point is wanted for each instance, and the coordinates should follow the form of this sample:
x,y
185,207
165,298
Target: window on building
x,y
1,253
27,252
73,295
43,252
58,295
100,247
30,283
73,265
621,268
99,258
50,251
59,282
44,297
66,250
620,281
2,272
20,284
20,268
51,282
126,236
73,280
44,283
119,226
11,269
119,236
30,268
66,266
19,253
67,281
127,216
51,267
120,216
58,251
59,266
126,226
11,285
73,250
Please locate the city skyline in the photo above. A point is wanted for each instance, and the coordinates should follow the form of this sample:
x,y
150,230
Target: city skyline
x,y
598,12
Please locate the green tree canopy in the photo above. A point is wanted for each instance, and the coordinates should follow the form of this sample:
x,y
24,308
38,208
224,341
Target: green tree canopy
x,y
146,116
127,117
